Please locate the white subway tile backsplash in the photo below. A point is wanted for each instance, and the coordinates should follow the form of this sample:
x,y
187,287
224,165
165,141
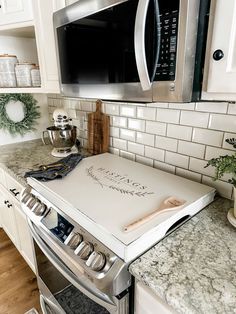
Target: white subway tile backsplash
x,y
209,137
188,174
86,106
164,167
182,106
217,107
158,128
158,104
115,132
168,115
112,109
136,148
146,139
225,189
191,149
154,153
228,136
166,143
135,124
128,111
180,141
177,159
119,122
179,132
127,134
144,160
127,155
232,108
223,122
194,118
146,113
72,113
120,144
198,165
214,152
114,151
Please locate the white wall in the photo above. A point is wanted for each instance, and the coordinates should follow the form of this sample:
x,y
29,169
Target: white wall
x,y
43,123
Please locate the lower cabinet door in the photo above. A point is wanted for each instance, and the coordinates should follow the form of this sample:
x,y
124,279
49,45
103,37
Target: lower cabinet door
x,y
25,239
8,221
146,302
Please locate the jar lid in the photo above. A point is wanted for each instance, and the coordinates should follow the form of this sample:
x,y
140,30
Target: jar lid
x,y
36,67
5,55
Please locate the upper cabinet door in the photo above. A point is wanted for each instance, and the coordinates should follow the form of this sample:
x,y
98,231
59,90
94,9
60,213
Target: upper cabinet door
x,y
220,65
15,11
43,13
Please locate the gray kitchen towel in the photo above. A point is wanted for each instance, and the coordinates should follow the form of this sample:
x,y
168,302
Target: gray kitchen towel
x,y
56,170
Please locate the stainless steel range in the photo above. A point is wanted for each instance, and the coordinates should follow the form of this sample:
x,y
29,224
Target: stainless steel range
x,y
78,224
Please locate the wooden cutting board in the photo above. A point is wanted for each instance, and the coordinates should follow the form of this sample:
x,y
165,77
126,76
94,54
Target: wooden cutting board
x,y
98,130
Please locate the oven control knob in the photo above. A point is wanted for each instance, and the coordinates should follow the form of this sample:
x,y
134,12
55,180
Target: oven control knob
x,y
73,240
32,203
26,197
96,261
84,250
39,209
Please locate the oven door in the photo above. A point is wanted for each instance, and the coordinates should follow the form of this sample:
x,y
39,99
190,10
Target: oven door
x,y
64,292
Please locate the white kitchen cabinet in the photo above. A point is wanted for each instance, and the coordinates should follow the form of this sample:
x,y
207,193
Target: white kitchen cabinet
x,y
220,65
25,240
7,216
43,12
13,219
33,41
15,11
146,302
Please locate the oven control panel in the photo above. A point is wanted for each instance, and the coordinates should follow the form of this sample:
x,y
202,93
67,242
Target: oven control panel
x,y
81,245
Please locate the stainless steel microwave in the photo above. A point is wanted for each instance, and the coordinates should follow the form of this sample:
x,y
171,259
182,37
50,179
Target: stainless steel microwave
x,y
131,50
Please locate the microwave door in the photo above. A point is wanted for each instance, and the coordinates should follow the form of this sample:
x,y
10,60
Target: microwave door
x,y
146,76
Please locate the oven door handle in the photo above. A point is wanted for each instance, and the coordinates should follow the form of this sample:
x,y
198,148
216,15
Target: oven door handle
x,y
67,273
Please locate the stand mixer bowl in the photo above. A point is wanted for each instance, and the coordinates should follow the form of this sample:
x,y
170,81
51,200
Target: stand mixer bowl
x,y
61,139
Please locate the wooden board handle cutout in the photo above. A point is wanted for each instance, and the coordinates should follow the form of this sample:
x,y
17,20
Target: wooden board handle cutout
x,y
98,130
171,203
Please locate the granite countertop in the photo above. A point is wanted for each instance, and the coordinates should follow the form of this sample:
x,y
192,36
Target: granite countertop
x,y
21,157
194,268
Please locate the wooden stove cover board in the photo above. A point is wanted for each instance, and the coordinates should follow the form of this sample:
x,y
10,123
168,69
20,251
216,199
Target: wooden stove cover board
x,y
112,191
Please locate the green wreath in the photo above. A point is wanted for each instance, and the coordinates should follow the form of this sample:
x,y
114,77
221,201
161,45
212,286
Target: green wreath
x,y
31,114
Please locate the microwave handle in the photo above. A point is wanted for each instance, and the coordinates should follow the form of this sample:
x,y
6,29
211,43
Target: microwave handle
x,y
139,42
158,38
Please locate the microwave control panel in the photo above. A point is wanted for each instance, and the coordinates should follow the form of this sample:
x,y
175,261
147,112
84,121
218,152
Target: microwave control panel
x,y
168,49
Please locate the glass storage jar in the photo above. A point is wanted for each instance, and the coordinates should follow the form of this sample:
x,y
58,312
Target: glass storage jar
x,y
35,76
23,74
7,70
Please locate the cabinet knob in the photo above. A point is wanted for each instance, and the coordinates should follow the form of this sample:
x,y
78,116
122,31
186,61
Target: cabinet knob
x,y
218,55
6,202
9,205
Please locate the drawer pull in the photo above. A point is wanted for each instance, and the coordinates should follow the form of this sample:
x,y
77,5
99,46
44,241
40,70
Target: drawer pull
x,y
9,205
13,191
6,202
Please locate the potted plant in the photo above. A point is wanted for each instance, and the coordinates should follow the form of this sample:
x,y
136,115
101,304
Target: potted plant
x,y
226,164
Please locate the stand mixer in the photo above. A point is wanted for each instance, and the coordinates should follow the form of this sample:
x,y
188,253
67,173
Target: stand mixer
x,y
62,135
